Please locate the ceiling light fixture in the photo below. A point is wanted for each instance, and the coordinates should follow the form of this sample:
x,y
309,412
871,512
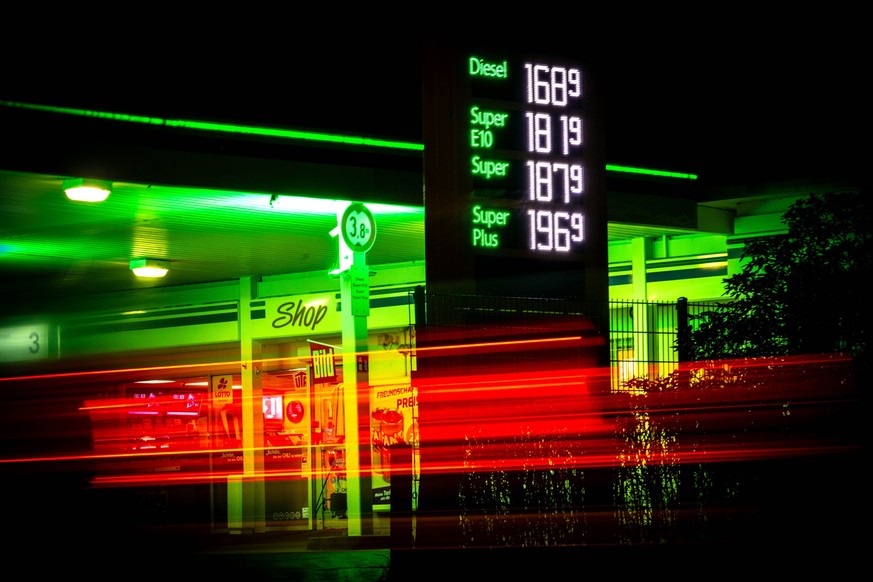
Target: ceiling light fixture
x,y
87,190
150,268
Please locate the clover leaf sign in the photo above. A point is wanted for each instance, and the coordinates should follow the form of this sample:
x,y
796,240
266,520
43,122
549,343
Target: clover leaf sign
x,y
358,228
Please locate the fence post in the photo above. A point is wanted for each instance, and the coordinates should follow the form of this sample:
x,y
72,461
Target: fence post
x,y
683,341
683,332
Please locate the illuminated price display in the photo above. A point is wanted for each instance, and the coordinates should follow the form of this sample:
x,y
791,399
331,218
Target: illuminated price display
x,y
526,140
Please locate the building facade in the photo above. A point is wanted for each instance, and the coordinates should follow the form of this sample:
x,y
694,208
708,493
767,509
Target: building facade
x,y
242,376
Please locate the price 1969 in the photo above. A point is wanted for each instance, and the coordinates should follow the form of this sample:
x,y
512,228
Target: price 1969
x,y
554,231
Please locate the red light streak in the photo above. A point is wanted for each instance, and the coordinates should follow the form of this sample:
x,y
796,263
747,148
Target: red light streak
x,y
489,418
582,429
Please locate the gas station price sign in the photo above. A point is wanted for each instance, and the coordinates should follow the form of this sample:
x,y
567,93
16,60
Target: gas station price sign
x,y
524,136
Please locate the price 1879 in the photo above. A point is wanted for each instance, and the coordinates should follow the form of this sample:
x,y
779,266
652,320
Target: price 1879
x,y
545,178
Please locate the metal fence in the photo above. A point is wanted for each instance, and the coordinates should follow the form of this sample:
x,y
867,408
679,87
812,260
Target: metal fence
x,y
643,337
642,334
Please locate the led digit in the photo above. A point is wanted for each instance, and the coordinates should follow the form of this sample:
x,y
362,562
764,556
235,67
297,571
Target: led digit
x,y
545,225
574,82
563,173
532,229
562,233
577,179
571,133
559,86
576,222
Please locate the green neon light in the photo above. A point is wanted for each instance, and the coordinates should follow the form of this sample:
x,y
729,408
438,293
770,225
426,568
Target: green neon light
x,y
630,170
223,127
285,133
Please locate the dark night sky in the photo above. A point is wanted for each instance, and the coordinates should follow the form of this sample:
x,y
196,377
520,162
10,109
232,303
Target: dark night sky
x,y
727,100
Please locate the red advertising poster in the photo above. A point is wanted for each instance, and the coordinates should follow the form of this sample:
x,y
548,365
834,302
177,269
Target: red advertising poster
x,y
323,364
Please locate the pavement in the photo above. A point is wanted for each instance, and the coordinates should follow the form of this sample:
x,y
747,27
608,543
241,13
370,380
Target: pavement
x,y
169,554
322,556
325,557
330,555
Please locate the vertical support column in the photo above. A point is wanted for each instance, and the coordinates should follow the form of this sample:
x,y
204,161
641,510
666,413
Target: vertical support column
x,y
402,533
642,347
355,232
639,256
253,490
356,395
683,342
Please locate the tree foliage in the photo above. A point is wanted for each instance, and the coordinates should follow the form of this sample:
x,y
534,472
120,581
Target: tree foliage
x,y
801,292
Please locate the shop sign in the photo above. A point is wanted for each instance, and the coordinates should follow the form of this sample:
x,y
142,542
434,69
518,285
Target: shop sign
x,y
296,315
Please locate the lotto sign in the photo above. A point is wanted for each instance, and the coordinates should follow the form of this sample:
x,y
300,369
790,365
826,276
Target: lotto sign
x,y
222,389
